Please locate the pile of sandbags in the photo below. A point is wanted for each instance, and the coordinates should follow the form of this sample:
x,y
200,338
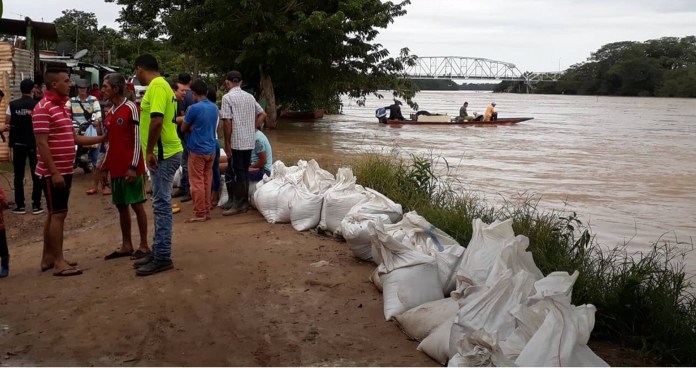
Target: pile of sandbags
x,y
486,305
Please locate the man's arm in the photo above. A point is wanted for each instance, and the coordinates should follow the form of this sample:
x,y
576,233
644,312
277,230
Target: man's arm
x,y
260,118
227,129
83,140
156,121
260,163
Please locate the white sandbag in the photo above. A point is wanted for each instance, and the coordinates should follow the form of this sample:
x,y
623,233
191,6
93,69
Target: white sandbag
x,y
376,280
428,239
487,242
558,283
357,235
339,199
561,340
436,345
273,200
177,178
514,257
417,323
316,179
305,210
378,204
408,287
490,308
479,349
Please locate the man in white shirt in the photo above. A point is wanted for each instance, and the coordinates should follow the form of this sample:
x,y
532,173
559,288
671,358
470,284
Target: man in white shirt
x,y
241,114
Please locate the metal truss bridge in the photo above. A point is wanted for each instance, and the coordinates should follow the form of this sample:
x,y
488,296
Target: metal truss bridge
x,y
457,67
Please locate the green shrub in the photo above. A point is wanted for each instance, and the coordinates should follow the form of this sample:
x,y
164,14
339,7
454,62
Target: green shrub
x,y
643,299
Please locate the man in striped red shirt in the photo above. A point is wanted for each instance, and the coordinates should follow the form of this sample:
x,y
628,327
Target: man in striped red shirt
x,y
55,143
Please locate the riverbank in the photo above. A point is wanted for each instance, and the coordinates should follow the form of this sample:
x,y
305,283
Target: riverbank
x,y
243,293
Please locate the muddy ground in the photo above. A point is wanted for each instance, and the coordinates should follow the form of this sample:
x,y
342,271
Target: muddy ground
x,y
243,293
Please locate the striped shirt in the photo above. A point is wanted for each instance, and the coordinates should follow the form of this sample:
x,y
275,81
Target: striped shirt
x,y
124,150
52,117
91,105
242,108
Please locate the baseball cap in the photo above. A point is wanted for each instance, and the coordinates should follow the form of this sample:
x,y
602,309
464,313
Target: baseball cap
x,y
81,83
493,103
234,76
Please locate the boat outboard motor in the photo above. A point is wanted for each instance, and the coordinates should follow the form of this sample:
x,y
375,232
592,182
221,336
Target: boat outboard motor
x,y
381,115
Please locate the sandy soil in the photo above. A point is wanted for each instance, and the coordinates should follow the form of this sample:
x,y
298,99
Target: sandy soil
x,y
244,292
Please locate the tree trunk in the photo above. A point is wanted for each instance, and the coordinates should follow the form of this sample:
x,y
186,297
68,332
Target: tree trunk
x,y
268,93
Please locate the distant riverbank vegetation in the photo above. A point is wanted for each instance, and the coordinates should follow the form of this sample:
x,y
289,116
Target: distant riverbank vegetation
x,y
644,300
664,67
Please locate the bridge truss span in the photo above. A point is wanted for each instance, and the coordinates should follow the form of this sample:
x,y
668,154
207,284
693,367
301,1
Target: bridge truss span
x,y
458,67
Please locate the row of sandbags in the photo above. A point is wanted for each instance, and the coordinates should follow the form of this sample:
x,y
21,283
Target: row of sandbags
x,y
486,305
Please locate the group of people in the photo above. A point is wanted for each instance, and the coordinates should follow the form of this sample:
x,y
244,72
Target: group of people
x,y
490,115
137,141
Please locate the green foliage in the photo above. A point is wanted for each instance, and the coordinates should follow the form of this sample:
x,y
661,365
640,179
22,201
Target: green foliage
x,y
313,51
661,67
643,299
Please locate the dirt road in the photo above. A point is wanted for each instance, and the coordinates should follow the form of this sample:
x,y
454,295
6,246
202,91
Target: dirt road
x,y
243,292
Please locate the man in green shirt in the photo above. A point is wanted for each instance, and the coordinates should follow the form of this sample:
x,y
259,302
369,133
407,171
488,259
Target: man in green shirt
x,y
163,149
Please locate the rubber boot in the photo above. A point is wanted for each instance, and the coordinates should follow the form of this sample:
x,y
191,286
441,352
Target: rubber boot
x,y
240,199
230,190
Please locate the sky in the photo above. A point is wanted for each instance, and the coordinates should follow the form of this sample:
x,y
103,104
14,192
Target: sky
x,y
536,35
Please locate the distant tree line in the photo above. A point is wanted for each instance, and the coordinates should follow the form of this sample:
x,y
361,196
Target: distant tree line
x,y
664,67
450,85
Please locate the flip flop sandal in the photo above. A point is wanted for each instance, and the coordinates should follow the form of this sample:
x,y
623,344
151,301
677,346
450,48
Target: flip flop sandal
x,y
176,209
138,254
46,268
196,219
106,191
91,191
116,254
68,272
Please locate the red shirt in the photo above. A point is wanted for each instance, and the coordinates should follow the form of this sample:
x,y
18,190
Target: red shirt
x,y
52,117
96,93
124,150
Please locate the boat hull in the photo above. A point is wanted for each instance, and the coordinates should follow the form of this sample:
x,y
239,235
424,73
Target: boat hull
x,y
508,121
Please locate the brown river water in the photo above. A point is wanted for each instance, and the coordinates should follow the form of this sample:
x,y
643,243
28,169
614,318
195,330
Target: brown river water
x,y
627,166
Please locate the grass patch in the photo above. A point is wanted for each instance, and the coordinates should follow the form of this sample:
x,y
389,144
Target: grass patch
x,y
643,299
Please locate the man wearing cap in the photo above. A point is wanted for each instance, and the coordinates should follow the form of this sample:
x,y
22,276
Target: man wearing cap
x,y
23,145
241,114
491,114
84,108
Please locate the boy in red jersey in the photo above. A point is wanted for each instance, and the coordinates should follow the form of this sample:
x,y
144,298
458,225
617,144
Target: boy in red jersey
x,y
124,161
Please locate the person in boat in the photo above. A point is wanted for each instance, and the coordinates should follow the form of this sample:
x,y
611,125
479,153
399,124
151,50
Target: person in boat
x,y
463,115
395,111
491,114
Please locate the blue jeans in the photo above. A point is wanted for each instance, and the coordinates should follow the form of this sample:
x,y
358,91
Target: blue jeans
x,y
184,185
162,179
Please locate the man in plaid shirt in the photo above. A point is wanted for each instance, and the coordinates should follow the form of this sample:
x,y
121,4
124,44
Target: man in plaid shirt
x,y
241,114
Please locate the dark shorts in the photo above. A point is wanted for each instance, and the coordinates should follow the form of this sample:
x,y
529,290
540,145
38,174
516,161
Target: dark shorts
x,y
56,198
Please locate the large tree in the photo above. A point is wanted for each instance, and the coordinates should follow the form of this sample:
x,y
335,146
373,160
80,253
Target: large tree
x,y
302,54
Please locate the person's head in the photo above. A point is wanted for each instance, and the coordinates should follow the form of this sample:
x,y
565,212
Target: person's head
x,y
466,103
234,79
82,87
146,68
212,94
95,87
114,86
179,90
2,95
185,78
38,81
200,90
58,81
492,103
26,86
